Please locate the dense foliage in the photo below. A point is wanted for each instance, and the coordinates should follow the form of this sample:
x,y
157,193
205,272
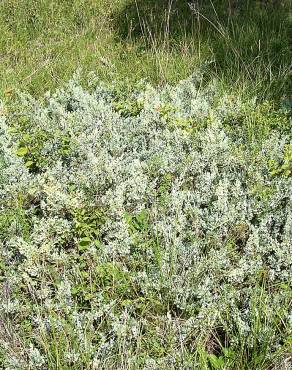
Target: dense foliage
x,y
151,230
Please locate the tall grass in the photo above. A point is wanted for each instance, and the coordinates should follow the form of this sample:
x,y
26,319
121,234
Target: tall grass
x,y
43,42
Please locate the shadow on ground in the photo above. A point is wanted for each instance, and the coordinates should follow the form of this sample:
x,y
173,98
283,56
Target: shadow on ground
x,y
245,36
154,19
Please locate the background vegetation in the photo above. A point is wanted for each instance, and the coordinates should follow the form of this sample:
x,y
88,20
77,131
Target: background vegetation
x,y
247,44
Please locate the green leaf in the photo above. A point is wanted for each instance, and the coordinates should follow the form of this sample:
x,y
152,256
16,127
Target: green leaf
x,y
29,164
88,296
97,243
229,353
26,137
75,290
84,243
216,362
22,151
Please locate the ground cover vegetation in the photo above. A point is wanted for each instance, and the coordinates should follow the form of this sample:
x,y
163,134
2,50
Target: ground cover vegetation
x,y
152,232
145,205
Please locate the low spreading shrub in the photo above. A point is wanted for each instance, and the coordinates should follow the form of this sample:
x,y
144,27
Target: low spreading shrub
x,y
153,232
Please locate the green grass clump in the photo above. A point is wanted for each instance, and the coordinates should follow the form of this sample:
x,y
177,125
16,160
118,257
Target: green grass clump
x,y
43,42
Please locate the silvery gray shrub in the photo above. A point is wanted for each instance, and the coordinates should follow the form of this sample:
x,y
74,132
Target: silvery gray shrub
x,y
193,219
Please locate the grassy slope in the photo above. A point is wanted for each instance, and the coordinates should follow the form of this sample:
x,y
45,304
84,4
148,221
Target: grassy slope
x,y
42,42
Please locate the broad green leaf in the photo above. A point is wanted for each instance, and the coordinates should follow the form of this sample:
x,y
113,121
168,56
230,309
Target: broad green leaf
x,y
29,164
22,151
84,243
